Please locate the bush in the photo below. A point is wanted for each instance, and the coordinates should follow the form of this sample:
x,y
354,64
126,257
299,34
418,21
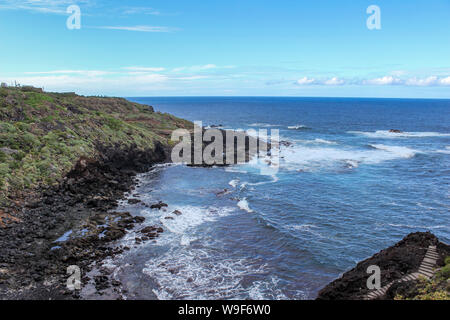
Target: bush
x,y
447,260
113,123
3,157
444,273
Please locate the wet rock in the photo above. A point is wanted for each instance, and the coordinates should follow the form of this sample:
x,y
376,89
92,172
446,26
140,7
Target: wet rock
x,y
139,219
149,229
285,143
177,213
158,205
395,131
134,201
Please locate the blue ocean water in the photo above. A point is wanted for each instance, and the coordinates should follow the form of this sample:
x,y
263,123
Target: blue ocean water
x,y
346,188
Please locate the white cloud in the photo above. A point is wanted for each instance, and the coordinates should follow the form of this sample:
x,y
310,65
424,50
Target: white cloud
x,y
324,82
192,78
445,81
195,68
334,82
381,81
429,81
305,81
413,82
139,28
141,10
89,73
144,69
201,68
386,80
41,6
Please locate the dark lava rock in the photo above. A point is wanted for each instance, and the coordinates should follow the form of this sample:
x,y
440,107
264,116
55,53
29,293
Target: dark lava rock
x,y
139,219
395,131
177,213
81,202
134,201
396,261
158,205
285,143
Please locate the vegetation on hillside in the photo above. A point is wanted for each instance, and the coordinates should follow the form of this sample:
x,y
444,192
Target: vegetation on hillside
x,y
43,134
436,288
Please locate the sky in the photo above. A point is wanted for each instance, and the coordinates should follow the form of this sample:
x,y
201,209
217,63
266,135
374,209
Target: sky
x,y
229,48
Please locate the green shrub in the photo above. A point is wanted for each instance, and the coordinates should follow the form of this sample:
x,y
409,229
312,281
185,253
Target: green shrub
x,y
113,123
6,127
444,273
4,169
3,157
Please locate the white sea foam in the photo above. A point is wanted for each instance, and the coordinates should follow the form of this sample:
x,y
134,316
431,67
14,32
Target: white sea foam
x,y
392,135
352,163
234,183
263,125
298,127
307,228
192,216
235,169
199,274
419,227
274,179
445,151
402,152
186,240
265,290
324,141
309,158
243,205
315,141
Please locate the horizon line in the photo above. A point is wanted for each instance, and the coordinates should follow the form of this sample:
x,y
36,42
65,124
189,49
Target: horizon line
x,y
308,97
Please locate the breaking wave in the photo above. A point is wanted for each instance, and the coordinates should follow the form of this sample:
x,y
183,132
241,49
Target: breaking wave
x,y
391,135
243,205
298,127
304,157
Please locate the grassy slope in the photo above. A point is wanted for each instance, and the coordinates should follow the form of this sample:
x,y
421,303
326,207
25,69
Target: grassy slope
x,y
43,134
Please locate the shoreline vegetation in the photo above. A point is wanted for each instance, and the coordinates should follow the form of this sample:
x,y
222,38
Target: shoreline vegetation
x,y
66,160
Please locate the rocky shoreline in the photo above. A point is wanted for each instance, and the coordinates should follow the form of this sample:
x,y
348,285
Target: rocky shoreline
x,y
395,262
65,162
80,210
74,223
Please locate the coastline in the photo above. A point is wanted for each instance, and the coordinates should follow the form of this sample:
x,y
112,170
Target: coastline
x,y
396,264
34,263
72,221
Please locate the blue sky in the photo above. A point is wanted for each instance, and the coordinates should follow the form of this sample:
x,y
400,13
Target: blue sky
x,y
229,48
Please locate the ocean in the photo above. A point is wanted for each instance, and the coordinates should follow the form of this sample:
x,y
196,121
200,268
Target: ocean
x,y
346,188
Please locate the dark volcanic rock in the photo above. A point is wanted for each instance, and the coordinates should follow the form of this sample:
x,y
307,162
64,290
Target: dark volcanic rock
x,y
133,201
177,213
37,264
158,205
402,258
